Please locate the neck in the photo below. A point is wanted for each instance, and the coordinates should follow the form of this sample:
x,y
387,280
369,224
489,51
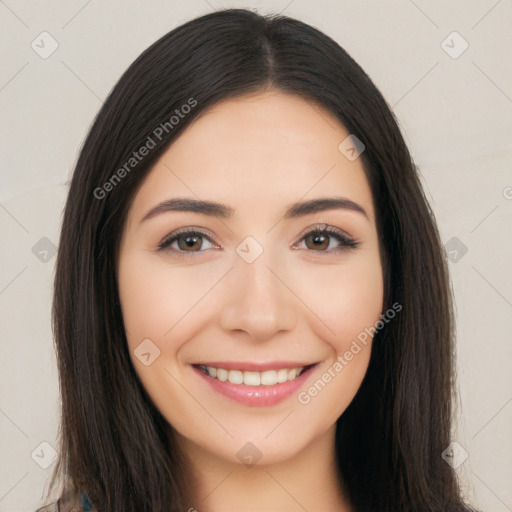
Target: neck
x,y
308,481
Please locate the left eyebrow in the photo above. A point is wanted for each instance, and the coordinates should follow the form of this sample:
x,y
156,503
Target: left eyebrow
x,y
322,204
220,210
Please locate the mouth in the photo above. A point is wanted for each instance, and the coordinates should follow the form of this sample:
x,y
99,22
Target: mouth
x,y
252,384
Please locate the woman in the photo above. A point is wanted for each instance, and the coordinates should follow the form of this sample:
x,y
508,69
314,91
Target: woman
x,y
252,308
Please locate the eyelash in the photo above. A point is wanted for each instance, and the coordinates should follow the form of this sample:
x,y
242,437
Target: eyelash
x,y
345,241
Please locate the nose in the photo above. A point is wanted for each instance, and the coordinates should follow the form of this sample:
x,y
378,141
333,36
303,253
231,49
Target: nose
x,y
258,300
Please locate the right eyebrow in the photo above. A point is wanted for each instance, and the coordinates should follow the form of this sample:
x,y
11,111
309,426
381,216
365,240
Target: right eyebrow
x,y
191,205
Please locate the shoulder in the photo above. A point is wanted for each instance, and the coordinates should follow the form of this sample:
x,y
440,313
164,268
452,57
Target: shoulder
x,y
84,505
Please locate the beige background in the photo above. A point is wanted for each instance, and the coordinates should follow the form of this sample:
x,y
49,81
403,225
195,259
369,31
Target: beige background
x,y
456,115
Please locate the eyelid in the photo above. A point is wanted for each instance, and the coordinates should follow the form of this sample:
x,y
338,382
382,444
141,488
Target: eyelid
x,y
171,237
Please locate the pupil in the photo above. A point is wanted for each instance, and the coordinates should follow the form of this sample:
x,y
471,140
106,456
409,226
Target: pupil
x,y
319,240
190,241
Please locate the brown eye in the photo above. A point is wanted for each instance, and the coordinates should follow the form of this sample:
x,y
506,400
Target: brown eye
x,y
317,241
186,243
190,242
320,239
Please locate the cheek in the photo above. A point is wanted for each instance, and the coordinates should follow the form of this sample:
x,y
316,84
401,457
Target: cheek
x,y
161,302
346,298
156,296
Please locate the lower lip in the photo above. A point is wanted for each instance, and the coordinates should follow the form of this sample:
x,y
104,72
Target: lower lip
x,y
257,396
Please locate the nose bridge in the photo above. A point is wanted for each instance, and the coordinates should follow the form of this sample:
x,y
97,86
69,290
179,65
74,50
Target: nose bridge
x,y
257,301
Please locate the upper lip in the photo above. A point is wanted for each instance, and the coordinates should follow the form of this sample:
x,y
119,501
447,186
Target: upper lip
x,y
255,367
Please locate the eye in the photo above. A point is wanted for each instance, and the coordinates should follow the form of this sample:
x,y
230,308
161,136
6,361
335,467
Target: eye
x,y
188,242
319,239
191,241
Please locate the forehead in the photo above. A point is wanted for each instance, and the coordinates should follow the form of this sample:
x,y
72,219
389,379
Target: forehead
x,y
258,150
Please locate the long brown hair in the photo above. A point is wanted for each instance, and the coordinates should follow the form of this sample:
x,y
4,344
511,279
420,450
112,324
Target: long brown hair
x,y
114,444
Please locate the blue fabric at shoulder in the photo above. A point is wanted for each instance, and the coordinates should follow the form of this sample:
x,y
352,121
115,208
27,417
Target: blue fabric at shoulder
x,y
86,504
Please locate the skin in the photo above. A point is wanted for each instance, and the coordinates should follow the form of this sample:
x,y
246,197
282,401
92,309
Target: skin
x,y
257,154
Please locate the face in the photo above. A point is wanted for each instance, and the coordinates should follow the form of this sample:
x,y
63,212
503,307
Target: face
x,y
243,320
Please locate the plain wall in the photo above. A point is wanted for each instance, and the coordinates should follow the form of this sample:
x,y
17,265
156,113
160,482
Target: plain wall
x,y
455,112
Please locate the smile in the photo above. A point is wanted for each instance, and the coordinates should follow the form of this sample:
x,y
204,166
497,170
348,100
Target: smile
x,y
252,384
253,378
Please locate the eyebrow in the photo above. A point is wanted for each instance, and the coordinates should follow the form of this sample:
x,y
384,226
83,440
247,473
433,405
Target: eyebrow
x,y
222,211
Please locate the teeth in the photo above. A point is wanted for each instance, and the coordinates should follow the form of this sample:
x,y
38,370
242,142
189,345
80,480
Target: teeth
x,y
221,374
235,377
251,378
282,375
